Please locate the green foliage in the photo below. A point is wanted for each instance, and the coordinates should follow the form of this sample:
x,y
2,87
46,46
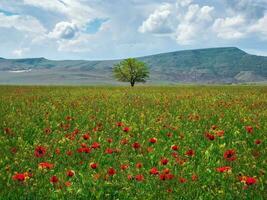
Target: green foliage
x,y
131,70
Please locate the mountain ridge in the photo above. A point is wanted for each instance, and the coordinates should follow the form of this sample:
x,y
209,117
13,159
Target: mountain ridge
x,y
211,65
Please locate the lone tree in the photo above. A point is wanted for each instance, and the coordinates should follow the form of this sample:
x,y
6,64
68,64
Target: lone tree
x,y
131,70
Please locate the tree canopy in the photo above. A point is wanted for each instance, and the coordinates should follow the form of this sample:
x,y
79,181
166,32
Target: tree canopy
x,y
131,70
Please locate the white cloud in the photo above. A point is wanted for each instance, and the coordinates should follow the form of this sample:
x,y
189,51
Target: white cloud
x,y
75,10
158,22
260,27
185,21
230,27
64,30
20,52
22,23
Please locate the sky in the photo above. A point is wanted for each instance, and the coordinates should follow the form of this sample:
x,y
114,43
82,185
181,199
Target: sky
x,y
113,29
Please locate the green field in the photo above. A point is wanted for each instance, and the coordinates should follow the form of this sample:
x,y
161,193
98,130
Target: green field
x,y
180,142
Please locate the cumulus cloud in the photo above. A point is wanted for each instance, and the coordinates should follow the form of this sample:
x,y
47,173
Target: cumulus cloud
x,y
184,19
158,22
230,27
64,30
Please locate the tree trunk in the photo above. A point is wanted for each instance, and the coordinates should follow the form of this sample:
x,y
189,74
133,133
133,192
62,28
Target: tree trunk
x,y
132,83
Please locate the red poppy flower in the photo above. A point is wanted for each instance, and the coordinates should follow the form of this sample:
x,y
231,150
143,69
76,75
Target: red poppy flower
x,y
230,155
67,183
223,169
124,167
70,173
182,180
153,140
109,151
84,150
136,145
190,152
250,181
249,129
154,171
210,136
69,153
175,147
95,145
119,124
166,171
194,177
126,129
139,165
19,177
130,177
54,180
139,177
57,151
86,136
109,140
14,150
257,141
220,133
93,165
40,151
48,130
45,165
111,171
164,161
8,130
124,141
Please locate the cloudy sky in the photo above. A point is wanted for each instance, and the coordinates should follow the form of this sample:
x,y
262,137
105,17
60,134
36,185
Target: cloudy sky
x,y
109,29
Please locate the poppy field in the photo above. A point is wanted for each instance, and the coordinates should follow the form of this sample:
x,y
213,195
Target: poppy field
x,y
173,142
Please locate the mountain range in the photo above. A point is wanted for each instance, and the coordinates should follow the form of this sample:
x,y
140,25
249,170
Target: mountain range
x,y
225,65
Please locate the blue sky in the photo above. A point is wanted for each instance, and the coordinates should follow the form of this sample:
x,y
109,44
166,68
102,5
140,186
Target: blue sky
x,y
110,29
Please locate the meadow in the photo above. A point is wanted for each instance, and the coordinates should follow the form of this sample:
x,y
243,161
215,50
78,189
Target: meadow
x,y
173,142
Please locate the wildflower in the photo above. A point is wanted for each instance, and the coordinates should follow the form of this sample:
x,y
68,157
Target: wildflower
x,y
67,183
95,145
154,171
136,145
111,171
119,124
86,136
124,167
93,165
257,141
194,177
164,161
230,155
182,180
45,165
126,129
109,151
223,169
39,151
190,152
139,177
175,147
70,173
249,129
54,180
19,177
139,165
153,140
210,136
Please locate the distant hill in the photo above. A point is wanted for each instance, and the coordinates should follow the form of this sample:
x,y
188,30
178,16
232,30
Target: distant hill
x,y
214,65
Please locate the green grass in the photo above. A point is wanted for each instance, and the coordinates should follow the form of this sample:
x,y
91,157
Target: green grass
x,y
174,115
